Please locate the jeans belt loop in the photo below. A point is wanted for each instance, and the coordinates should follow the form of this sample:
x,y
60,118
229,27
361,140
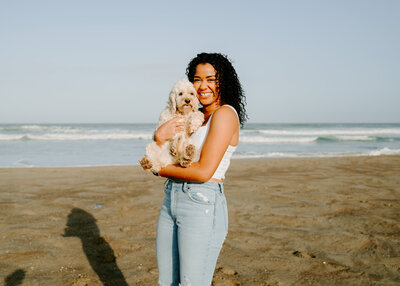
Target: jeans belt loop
x,y
220,188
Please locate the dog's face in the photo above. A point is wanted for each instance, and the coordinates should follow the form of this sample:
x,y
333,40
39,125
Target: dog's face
x,y
182,98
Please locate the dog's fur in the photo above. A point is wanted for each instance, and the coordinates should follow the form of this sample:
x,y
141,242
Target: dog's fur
x,y
179,150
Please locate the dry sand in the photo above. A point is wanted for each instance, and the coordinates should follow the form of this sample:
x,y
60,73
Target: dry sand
x,y
319,221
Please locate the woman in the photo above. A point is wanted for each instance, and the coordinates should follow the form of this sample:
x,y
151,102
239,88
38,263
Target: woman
x,y
193,220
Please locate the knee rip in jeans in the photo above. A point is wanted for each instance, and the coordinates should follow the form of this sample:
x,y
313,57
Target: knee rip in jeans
x,y
161,283
186,281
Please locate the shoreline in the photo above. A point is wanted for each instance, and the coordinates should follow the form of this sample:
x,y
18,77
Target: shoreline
x,y
233,159
292,221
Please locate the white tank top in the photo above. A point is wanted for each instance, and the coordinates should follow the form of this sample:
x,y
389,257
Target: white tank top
x,y
198,139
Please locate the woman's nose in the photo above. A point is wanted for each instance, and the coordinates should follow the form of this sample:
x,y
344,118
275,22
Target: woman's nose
x,y
203,84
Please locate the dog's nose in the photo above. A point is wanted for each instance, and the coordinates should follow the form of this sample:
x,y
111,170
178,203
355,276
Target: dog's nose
x,y
187,100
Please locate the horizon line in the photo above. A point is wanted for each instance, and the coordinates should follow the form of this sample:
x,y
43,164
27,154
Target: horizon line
x,y
271,122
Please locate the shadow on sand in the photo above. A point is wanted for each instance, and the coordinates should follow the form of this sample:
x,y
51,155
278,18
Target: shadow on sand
x,y
15,278
98,252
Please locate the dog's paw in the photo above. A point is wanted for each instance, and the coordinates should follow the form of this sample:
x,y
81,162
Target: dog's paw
x,y
185,162
173,151
188,156
145,163
189,151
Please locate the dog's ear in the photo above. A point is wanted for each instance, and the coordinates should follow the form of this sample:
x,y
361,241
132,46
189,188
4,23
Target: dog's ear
x,y
172,101
195,102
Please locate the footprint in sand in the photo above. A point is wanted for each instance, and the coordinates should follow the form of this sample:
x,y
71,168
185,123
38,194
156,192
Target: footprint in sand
x,y
226,283
153,271
228,271
303,254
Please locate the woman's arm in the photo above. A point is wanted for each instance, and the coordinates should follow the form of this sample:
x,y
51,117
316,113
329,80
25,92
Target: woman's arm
x,y
223,125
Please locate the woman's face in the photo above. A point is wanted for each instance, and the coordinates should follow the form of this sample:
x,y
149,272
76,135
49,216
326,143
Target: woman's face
x,y
206,85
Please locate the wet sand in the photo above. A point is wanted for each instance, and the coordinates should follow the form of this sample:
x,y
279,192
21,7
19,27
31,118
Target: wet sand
x,y
314,221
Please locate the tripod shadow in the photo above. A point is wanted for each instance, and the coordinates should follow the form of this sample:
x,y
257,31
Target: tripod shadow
x,y
15,278
98,252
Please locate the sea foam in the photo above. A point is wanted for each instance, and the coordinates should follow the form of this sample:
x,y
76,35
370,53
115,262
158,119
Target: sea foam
x,y
384,151
275,140
77,137
387,131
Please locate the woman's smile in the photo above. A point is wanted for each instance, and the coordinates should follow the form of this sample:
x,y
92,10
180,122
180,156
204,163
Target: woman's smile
x,y
204,95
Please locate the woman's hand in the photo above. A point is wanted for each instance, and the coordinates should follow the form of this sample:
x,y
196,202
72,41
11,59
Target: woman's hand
x,y
168,130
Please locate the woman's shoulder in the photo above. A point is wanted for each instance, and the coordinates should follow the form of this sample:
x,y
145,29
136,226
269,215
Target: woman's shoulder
x,y
227,110
225,113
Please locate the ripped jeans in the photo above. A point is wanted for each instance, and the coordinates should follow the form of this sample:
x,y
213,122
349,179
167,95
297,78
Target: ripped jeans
x,y
191,229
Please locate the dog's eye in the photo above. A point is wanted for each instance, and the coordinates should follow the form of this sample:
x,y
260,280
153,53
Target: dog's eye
x,y
192,93
180,93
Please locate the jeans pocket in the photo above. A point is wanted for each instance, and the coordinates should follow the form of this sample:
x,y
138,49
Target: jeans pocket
x,y
202,196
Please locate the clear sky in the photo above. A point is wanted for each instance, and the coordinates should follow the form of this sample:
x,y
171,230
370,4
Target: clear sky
x,y
97,61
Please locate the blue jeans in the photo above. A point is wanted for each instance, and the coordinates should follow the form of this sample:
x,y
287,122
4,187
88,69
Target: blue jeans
x,y
191,229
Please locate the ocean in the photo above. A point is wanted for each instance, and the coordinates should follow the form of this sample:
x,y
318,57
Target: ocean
x,y
62,145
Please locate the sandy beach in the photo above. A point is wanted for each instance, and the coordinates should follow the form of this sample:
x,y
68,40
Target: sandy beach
x,y
308,221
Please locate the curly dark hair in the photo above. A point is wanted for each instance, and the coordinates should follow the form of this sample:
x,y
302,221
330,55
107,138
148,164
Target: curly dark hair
x,y
229,87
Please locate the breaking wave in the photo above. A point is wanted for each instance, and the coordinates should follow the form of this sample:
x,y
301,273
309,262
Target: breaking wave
x,y
76,137
383,131
320,139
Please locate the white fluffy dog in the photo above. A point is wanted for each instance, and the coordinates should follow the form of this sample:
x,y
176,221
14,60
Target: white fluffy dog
x,y
179,150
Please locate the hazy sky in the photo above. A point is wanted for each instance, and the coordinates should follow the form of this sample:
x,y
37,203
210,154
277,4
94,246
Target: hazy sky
x,y
116,61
